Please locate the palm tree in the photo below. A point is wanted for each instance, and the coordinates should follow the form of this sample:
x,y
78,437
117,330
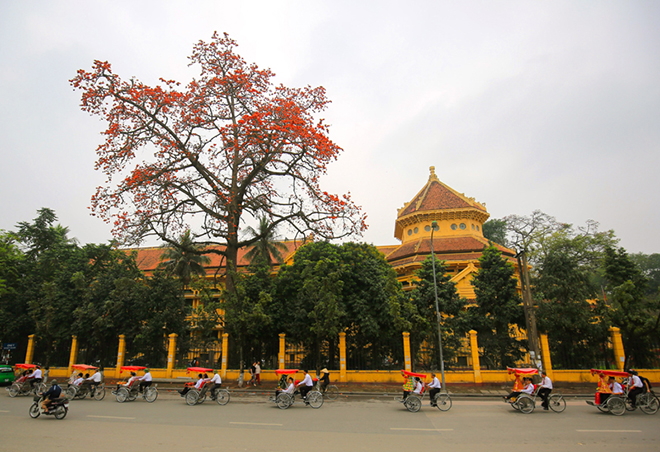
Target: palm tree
x,y
266,248
185,259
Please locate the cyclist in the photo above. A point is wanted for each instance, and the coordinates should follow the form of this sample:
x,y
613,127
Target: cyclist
x,y
325,379
546,389
35,377
636,388
145,380
435,388
94,381
306,385
214,384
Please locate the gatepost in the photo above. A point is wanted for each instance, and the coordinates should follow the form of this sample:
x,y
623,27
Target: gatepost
x,y
121,352
342,357
282,352
73,357
171,354
406,350
617,345
225,351
30,349
545,355
474,350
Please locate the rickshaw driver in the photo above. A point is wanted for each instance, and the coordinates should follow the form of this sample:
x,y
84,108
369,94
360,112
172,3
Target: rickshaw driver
x,y
636,388
145,380
35,376
95,380
435,388
214,384
306,385
546,389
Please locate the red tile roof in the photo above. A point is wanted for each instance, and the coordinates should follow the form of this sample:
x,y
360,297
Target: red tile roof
x,y
437,196
443,246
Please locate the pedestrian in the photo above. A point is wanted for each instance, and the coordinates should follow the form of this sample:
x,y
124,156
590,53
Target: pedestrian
x,y
257,372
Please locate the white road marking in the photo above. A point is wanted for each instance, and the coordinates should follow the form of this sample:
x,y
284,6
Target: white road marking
x,y
610,431
256,423
4,411
425,429
111,417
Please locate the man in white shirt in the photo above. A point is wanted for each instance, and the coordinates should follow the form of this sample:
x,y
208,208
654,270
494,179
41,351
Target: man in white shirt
x,y
213,384
546,389
145,380
78,381
636,388
419,386
434,388
35,377
94,380
306,385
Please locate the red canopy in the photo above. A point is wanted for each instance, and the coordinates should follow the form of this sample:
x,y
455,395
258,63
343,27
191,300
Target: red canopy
x,y
413,374
199,369
131,368
610,373
84,367
286,371
522,370
25,366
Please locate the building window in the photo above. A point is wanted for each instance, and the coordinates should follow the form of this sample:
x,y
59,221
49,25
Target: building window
x,y
462,226
453,226
409,231
416,230
427,228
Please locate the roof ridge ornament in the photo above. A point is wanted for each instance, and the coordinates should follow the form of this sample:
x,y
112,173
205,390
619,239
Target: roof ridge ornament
x,y
433,176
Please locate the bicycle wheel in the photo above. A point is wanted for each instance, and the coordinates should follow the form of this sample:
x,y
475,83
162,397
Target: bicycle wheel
x,y
14,389
99,394
331,392
413,403
284,401
192,397
629,405
616,406
315,399
122,395
649,404
443,402
557,403
34,411
526,404
151,394
71,392
222,396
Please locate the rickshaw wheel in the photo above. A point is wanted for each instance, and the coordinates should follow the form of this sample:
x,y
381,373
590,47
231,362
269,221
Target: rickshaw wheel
x,y
122,395
151,394
315,399
443,402
14,390
192,397
526,404
650,405
99,394
222,396
557,403
71,392
616,406
284,401
413,403
202,399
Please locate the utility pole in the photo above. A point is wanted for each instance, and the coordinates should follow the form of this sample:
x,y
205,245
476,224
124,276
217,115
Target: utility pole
x,y
434,226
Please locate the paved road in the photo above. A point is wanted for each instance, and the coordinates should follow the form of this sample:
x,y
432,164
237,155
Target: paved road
x,y
252,424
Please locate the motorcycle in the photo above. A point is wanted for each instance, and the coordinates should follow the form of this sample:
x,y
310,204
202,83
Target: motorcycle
x,y
58,407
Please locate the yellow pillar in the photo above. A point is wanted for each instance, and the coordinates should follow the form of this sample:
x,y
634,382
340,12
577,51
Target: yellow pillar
x,y
617,345
474,349
171,354
281,355
225,352
73,357
545,355
342,357
30,350
121,352
406,351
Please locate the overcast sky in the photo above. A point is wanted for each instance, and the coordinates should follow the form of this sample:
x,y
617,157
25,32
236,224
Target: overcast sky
x,y
523,105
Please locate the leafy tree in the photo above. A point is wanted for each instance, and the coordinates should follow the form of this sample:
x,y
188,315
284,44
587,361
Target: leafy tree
x,y
228,145
497,311
495,230
636,315
424,322
267,248
649,264
184,259
15,323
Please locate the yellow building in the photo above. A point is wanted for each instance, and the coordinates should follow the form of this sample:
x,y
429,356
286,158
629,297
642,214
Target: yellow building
x,y
458,239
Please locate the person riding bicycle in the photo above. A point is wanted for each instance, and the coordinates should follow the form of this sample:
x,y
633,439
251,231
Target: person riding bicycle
x,y
214,384
325,379
546,389
435,388
94,381
636,387
408,386
145,380
305,385
53,393
35,377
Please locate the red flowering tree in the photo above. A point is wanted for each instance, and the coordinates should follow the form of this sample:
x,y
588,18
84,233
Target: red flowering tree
x,y
228,147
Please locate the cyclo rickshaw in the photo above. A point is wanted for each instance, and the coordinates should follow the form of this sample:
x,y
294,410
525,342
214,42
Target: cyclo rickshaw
x,y
23,387
196,396
617,404
525,403
131,392
413,402
285,400
82,391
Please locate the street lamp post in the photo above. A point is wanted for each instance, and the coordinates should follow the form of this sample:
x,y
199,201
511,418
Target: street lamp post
x,y
434,226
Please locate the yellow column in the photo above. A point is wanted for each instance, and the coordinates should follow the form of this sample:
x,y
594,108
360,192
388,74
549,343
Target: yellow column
x,y
406,350
171,354
30,350
73,357
121,352
225,352
617,345
342,357
281,354
545,355
474,350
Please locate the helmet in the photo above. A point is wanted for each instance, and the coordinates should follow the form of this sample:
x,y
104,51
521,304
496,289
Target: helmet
x,y
53,382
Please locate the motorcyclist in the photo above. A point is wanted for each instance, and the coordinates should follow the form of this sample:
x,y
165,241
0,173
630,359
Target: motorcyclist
x,y
53,393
